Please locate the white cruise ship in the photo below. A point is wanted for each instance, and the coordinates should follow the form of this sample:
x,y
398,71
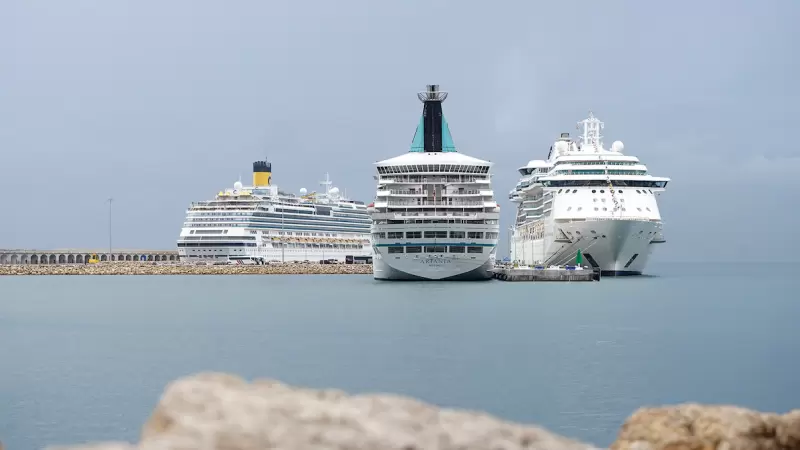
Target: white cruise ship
x,y
434,216
261,223
589,198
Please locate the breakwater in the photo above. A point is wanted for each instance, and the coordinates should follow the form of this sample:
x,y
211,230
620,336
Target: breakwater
x,y
153,268
222,411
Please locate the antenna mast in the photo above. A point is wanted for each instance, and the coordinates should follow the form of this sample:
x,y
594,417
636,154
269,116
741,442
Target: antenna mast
x,y
327,183
591,131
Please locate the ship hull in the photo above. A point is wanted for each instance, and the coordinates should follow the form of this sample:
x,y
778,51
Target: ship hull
x,y
425,267
272,254
616,247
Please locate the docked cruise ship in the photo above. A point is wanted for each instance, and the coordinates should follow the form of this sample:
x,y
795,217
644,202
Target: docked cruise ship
x,y
434,216
261,223
589,198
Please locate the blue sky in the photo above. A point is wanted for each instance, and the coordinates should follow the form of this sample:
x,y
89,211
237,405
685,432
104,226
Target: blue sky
x,y
158,104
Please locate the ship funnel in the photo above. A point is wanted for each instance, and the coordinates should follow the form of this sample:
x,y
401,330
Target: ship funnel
x,y
433,133
262,173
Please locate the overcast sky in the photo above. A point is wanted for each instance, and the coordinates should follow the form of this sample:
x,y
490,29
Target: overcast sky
x,y
158,103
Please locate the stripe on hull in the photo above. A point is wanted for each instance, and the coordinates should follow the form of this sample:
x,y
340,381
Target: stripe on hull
x,y
619,273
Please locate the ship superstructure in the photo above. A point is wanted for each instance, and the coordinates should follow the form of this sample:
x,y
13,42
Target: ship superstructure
x,y
434,216
262,223
589,198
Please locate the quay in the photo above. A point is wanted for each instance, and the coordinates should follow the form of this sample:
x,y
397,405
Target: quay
x,y
82,256
545,274
176,268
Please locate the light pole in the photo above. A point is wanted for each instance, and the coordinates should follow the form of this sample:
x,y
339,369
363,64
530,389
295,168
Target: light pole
x,y
110,200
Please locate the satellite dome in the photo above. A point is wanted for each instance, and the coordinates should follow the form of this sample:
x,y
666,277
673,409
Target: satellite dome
x,y
561,146
617,146
303,191
237,185
334,191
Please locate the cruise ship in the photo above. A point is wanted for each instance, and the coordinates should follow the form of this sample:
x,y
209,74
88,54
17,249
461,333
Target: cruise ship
x,y
589,198
434,215
262,224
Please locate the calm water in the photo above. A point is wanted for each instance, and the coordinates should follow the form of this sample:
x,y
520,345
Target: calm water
x,y
86,358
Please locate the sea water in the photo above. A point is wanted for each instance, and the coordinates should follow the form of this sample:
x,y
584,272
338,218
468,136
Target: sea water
x,y
86,358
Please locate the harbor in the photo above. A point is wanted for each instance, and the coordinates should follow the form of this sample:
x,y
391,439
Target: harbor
x,y
545,274
167,268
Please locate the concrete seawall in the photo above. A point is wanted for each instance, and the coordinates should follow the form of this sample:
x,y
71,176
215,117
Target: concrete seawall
x,y
145,268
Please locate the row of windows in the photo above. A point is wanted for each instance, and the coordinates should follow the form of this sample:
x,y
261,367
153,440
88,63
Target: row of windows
x,y
216,244
603,191
600,172
599,163
274,227
589,183
219,238
426,168
442,234
606,209
436,249
442,221
286,223
285,217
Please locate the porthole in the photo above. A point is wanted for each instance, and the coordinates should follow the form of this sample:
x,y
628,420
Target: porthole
x,y
594,191
619,191
580,208
605,209
574,191
602,191
649,191
603,200
647,209
559,191
604,236
595,208
569,209
594,232
594,200
638,191
639,209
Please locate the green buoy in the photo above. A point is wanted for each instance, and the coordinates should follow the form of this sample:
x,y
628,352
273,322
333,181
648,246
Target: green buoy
x,y
578,258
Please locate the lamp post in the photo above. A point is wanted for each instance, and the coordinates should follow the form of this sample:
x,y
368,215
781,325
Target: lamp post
x,y
110,200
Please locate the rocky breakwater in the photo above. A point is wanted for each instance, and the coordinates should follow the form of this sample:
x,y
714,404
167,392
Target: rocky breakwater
x,y
219,411
144,268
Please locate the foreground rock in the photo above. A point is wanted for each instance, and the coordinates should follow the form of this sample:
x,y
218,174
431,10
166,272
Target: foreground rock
x,y
145,268
215,411
218,411
700,427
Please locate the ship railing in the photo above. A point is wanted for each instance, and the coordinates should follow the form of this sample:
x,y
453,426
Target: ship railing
x,y
434,214
425,192
601,219
418,179
462,203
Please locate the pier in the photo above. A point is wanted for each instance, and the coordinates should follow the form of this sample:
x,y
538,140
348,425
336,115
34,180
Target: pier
x,y
545,274
82,256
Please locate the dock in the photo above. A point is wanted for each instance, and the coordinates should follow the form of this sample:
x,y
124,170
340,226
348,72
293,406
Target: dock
x,y
545,274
